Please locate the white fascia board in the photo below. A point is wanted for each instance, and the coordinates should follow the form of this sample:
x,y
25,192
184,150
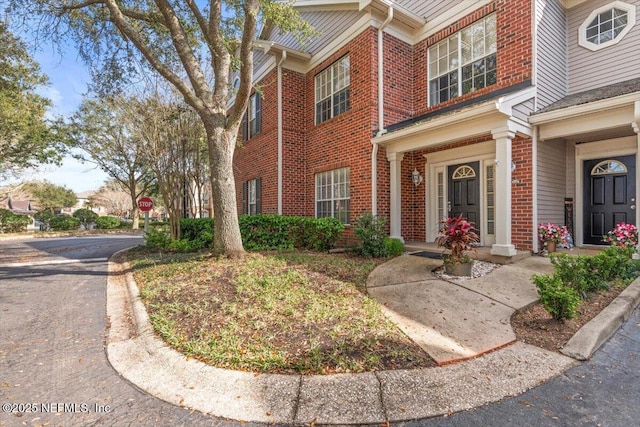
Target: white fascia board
x,y
583,109
330,5
272,48
568,4
506,103
454,119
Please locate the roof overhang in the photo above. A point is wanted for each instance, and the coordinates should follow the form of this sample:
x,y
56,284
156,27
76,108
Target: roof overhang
x,y
400,13
275,49
612,117
475,121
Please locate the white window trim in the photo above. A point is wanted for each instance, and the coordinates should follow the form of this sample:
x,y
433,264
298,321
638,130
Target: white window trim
x,y
631,21
460,63
331,70
252,199
332,173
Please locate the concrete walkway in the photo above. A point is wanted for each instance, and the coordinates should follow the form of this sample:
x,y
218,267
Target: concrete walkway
x,y
454,319
451,321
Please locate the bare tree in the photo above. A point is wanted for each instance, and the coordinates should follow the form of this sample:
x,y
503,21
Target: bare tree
x,y
182,41
112,198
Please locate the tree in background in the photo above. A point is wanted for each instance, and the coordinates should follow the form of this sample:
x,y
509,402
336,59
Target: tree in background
x,y
113,199
26,138
193,45
86,217
47,196
102,128
164,128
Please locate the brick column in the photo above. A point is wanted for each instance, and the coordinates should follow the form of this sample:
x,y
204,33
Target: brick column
x,y
503,245
395,211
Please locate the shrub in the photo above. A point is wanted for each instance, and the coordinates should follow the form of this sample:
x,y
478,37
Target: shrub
x,y
394,247
107,222
44,217
64,223
370,230
157,239
13,223
197,229
558,298
86,217
268,232
318,234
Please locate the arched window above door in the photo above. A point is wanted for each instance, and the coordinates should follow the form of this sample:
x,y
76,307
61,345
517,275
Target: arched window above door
x,y
607,167
463,172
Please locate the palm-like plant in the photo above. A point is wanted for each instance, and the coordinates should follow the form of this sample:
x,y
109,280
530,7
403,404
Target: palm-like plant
x,y
458,236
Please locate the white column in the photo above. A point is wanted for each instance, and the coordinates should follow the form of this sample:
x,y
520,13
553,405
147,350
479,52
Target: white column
x,y
395,210
503,245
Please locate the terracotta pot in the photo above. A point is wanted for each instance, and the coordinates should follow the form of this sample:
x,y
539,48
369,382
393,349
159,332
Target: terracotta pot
x,y
551,246
459,269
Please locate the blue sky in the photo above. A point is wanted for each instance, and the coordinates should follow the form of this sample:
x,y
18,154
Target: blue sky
x,y
68,80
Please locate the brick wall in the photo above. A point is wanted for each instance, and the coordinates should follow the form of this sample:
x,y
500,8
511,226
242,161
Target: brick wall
x,y
514,50
345,140
258,157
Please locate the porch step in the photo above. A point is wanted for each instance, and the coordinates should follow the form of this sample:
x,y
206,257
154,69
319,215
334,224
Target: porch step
x,y
432,250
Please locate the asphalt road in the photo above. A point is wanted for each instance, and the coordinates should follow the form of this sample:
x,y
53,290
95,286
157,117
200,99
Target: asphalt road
x,y
54,370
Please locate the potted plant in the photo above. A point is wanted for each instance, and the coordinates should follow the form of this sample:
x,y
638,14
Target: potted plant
x,y
458,236
551,234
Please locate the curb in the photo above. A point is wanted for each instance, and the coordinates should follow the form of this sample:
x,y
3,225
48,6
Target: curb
x,y
363,398
596,332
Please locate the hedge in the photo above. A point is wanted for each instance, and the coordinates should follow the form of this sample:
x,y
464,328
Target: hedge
x,y
266,232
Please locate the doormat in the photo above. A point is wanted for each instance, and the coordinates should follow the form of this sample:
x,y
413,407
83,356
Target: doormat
x,y
428,254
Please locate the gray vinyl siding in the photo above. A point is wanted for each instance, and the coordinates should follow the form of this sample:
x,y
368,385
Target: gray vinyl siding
x,y
430,9
614,64
330,25
551,181
551,46
523,110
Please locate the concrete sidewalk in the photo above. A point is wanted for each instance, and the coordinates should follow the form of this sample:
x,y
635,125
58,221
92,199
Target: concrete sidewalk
x,y
451,321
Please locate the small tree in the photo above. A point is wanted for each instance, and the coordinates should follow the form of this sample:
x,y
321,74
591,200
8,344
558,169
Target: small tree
x,y
86,217
49,196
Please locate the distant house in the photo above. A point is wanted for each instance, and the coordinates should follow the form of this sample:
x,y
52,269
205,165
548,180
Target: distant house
x,y
21,207
510,112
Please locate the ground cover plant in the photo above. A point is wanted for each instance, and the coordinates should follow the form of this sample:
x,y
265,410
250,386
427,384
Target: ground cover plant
x,y
278,312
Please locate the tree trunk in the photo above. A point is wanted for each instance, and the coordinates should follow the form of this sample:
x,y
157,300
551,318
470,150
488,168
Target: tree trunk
x,y
227,240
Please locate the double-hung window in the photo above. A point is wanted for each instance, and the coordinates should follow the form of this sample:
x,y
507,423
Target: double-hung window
x,y
252,120
252,197
463,62
333,197
332,90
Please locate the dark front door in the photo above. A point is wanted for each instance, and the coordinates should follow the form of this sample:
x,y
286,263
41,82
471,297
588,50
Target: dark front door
x,y
609,195
464,192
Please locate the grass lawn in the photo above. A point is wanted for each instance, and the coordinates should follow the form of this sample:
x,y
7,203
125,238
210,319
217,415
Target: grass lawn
x,y
284,312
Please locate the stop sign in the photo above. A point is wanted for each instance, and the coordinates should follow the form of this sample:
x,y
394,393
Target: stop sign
x,y
145,204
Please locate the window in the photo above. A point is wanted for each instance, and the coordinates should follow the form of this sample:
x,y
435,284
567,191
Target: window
x,y
607,167
252,197
607,25
491,199
333,195
252,120
463,62
332,90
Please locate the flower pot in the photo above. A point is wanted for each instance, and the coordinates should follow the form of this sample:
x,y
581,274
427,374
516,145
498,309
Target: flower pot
x,y
459,269
551,246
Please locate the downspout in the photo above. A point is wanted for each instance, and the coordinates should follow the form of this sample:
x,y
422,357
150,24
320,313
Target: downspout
x,y
282,59
381,130
534,189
